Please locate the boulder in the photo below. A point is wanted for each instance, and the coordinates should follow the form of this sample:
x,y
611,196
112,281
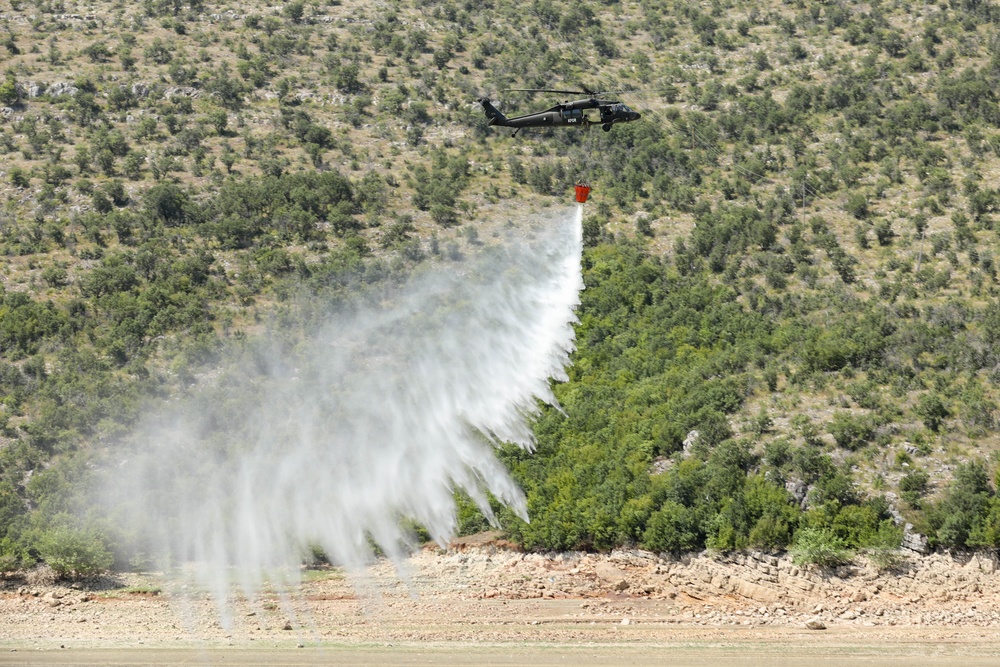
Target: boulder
x,y
62,88
983,562
914,541
798,490
690,441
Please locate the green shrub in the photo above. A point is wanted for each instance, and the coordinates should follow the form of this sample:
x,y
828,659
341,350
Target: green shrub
x,y
913,486
19,178
964,508
883,548
12,554
852,431
73,552
857,205
168,203
673,528
932,411
759,514
986,531
821,547
8,93
884,233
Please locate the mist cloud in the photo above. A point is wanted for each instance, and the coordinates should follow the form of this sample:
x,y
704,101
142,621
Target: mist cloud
x,y
376,418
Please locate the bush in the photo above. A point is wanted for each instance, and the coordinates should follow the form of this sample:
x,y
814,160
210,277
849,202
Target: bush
x,y
168,203
883,549
932,411
964,507
673,528
986,532
19,178
821,547
857,206
884,233
8,93
760,514
74,553
913,486
9,561
851,431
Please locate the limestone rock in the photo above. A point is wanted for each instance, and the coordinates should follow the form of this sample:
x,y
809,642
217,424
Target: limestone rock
x,y
914,541
755,591
984,562
689,442
62,88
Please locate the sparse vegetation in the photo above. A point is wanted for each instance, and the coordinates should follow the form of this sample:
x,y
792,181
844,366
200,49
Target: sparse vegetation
x,y
793,253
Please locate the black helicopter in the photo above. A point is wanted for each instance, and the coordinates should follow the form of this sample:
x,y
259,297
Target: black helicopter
x,y
567,113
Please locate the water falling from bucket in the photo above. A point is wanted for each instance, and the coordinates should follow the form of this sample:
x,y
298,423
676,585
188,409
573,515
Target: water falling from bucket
x,y
337,441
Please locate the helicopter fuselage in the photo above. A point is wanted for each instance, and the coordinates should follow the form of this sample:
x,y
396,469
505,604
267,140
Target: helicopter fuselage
x,y
567,113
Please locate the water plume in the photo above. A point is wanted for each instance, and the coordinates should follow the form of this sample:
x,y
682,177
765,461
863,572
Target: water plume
x,y
376,419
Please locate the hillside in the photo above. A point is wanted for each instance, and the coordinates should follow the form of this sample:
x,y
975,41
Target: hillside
x,y
791,254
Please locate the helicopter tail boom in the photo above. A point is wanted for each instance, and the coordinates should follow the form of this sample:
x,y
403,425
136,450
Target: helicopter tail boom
x,y
492,113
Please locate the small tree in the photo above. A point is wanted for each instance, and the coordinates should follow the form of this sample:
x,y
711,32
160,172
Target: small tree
x,y
346,79
73,552
965,505
932,411
19,178
98,52
9,95
106,161
294,10
228,157
914,485
851,431
219,120
884,233
168,203
857,205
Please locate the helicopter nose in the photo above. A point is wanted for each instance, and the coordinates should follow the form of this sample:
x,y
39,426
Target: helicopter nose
x,y
635,115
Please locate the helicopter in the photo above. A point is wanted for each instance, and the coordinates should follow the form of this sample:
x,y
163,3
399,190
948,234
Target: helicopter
x,y
567,113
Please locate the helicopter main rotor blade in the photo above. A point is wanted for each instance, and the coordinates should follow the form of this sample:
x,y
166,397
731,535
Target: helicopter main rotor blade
x,y
547,90
586,91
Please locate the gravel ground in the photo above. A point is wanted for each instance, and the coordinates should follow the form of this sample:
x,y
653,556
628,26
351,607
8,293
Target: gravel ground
x,y
479,597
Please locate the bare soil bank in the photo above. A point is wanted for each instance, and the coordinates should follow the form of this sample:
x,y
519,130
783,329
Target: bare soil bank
x,y
479,601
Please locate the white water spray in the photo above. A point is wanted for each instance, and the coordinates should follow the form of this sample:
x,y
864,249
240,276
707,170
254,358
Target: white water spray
x,y
378,418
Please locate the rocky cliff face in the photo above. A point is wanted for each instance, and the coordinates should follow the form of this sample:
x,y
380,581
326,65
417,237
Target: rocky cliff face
x,y
933,589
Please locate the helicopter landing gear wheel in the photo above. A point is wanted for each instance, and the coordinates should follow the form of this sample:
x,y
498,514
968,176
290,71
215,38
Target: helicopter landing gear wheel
x,y
606,127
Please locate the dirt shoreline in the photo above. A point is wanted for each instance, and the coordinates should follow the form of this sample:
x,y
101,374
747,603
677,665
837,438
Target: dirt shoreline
x,y
483,599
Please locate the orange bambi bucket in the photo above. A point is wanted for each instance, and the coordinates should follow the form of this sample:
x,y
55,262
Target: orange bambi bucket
x,y
582,192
